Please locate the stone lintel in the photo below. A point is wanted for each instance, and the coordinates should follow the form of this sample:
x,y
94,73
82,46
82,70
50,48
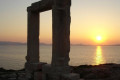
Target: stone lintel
x,y
41,6
62,3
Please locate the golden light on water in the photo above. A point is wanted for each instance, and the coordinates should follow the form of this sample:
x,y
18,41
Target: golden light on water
x,y
99,56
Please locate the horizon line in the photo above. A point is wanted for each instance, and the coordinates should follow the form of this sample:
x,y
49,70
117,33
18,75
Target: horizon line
x,y
43,43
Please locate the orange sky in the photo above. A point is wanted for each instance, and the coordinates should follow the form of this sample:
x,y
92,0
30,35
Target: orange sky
x,y
89,18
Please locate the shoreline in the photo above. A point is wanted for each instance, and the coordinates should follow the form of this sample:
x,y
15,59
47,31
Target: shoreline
x,y
108,71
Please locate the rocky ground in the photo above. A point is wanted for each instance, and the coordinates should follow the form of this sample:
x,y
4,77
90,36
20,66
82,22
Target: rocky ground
x,y
87,72
98,72
12,74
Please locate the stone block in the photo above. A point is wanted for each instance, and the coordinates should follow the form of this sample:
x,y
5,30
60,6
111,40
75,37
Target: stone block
x,y
58,73
38,76
31,68
35,66
47,68
71,76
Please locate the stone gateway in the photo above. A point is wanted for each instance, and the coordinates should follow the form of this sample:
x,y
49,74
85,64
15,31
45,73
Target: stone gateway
x,y
59,68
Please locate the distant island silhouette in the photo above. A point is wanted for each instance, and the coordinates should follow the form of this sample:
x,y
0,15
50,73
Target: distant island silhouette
x,y
20,43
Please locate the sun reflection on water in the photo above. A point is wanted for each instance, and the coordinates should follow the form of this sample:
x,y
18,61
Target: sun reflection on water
x,y
99,56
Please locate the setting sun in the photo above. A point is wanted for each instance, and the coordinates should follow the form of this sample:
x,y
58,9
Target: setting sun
x,y
98,38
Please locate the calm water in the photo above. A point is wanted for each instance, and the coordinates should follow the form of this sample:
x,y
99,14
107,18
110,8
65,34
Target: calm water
x,y
13,57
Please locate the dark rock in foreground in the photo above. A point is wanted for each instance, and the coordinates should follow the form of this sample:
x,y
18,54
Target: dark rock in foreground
x,y
98,72
12,74
87,72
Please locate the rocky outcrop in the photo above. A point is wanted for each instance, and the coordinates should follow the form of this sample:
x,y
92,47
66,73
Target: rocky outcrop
x,y
12,74
98,72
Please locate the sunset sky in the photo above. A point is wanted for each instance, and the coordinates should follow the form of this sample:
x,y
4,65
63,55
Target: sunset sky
x,y
92,22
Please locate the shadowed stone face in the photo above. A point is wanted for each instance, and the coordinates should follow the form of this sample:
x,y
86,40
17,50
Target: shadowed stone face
x,y
61,32
33,38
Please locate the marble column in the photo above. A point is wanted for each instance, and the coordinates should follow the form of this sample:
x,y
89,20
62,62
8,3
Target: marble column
x,y
33,37
32,44
61,32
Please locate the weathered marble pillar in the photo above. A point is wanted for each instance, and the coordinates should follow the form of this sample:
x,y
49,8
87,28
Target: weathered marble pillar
x,y
33,37
32,44
61,32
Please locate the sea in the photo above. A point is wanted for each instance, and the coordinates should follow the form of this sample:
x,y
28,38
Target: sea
x,y
13,56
